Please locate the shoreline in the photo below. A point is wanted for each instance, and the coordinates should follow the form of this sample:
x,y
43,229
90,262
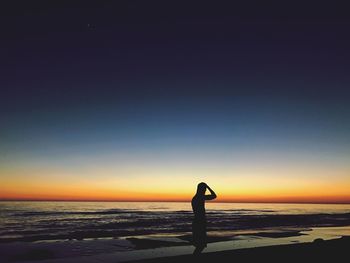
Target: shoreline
x,y
119,250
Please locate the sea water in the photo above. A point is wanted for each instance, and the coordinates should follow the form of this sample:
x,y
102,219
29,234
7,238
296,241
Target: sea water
x,y
35,221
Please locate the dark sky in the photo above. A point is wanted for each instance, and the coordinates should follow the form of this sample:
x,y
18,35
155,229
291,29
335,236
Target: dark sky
x,y
77,72
112,98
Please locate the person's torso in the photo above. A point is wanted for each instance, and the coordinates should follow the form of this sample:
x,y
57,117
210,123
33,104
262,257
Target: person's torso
x,y
198,207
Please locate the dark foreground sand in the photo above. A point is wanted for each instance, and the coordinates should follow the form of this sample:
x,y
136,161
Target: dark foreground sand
x,y
337,250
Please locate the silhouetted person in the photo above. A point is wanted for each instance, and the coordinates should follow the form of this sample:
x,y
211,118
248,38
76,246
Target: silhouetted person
x,y
199,225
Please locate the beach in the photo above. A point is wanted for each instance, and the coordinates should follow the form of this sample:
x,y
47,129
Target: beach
x,y
317,251
272,248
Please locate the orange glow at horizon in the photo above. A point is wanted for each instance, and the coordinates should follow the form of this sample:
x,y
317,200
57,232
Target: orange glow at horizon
x,y
240,185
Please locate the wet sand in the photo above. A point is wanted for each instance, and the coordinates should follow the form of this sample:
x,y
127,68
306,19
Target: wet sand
x,y
317,251
245,246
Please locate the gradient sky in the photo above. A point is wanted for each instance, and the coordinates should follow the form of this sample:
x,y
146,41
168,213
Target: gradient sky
x,y
143,100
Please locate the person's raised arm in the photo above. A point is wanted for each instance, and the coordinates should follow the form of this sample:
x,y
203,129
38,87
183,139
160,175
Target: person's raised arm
x,y
212,194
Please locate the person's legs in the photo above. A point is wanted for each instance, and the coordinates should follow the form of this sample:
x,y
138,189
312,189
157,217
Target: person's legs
x,y
198,250
199,235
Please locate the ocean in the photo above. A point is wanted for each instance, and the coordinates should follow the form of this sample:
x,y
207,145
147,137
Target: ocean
x,y
45,221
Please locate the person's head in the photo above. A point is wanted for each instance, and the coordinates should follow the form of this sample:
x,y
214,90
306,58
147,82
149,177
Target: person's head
x,y
201,188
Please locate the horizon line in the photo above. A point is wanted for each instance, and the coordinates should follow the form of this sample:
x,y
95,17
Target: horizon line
x,y
173,201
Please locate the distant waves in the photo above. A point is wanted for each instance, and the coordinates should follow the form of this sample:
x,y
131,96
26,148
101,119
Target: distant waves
x,y
56,224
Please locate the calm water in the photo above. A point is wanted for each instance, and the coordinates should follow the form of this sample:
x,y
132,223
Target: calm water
x,y
32,221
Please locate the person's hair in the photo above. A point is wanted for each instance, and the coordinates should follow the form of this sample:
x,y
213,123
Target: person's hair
x,y
201,187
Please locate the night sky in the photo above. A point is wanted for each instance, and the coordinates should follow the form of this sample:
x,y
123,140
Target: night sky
x,y
141,100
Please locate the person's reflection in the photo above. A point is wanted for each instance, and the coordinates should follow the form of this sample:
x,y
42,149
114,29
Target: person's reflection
x,y
199,225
